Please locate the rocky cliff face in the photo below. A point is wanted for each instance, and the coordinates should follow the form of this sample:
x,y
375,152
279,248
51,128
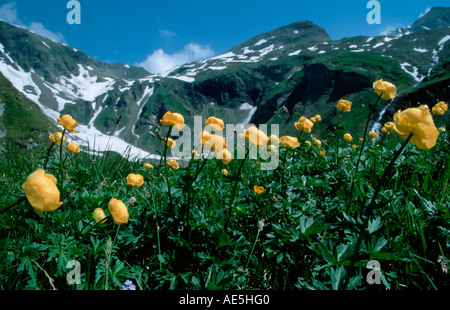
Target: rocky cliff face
x,y
297,68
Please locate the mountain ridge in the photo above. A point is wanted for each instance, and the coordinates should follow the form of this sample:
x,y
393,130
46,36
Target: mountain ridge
x,y
296,66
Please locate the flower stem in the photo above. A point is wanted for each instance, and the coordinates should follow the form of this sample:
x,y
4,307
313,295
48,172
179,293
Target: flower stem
x,y
48,155
369,208
337,138
165,164
233,195
253,248
360,152
61,163
12,204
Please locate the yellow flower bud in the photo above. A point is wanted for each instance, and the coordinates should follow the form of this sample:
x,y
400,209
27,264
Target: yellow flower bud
x,y
304,124
119,211
56,138
135,180
171,143
224,171
274,140
173,119
387,90
440,108
348,137
256,137
344,105
98,215
215,123
73,147
41,191
316,118
67,122
373,134
258,189
289,142
148,166
225,156
173,164
317,143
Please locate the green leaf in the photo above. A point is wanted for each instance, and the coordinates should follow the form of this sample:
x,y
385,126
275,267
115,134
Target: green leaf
x,y
374,225
337,276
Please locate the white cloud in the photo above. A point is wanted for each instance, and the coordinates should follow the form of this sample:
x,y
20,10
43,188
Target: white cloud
x,y
40,29
161,62
386,29
167,33
426,11
9,14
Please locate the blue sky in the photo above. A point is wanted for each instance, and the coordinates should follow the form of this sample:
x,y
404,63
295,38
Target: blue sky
x,y
158,34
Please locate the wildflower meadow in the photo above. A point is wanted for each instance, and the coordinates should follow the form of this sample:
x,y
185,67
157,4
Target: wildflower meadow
x,y
342,211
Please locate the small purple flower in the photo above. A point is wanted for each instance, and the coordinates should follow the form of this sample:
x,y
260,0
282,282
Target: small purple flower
x,y
128,286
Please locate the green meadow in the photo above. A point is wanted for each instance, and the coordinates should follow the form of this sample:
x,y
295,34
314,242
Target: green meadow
x,y
366,213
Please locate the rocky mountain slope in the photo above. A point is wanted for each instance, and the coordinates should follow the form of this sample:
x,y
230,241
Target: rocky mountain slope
x,y
297,68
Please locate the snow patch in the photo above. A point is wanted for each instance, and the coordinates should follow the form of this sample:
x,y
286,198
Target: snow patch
x,y
295,53
414,72
262,41
444,40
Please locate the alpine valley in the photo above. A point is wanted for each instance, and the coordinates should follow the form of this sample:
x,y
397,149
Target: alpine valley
x,y
273,78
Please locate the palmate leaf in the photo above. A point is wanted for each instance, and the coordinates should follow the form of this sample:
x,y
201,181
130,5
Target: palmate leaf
x,y
374,225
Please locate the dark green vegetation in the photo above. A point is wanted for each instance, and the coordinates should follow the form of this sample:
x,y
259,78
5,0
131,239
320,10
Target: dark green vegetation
x,y
299,234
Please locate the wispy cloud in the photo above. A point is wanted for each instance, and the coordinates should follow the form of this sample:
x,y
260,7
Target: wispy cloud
x,y
9,14
161,62
426,11
167,33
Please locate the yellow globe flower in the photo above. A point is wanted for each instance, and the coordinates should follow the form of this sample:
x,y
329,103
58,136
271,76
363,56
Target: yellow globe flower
x,y
388,128
98,215
41,191
173,164
289,142
212,142
387,90
316,118
148,166
224,171
348,137
73,147
344,105
224,155
440,108
373,134
67,122
256,137
304,124
119,211
56,138
317,143
173,119
171,143
274,140
135,180
272,148
215,123
419,122
258,189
